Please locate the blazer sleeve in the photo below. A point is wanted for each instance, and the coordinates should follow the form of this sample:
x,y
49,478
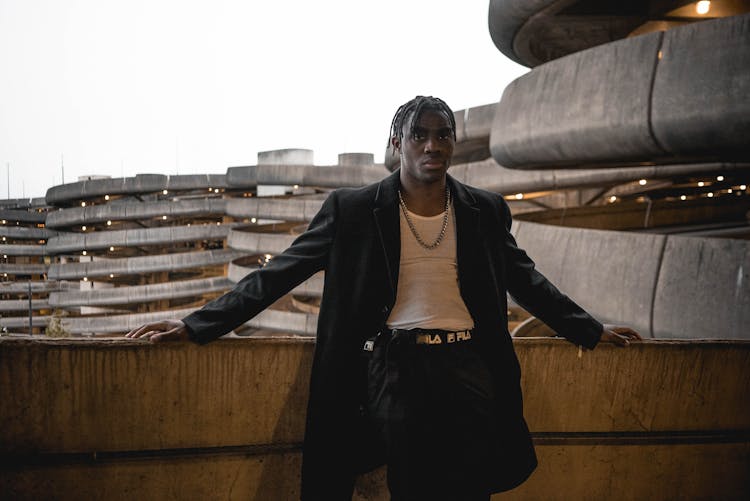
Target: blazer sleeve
x,y
540,297
307,255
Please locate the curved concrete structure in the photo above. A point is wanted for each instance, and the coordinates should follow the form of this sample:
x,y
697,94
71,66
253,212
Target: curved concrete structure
x,y
304,175
291,209
23,250
141,264
23,269
75,216
617,103
22,216
72,193
23,304
312,287
138,293
26,233
75,242
664,286
258,243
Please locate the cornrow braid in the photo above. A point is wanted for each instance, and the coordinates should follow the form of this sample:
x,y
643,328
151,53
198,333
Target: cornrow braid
x,y
416,107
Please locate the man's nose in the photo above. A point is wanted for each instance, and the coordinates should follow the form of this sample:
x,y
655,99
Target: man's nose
x,y
432,144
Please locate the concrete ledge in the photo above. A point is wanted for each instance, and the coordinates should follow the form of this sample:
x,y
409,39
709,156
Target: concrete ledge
x,y
664,286
138,185
489,175
23,287
592,106
74,242
24,233
22,216
24,250
23,269
710,278
133,211
700,98
139,293
629,420
271,208
22,305
312,287
258,243
141,264
332,176
619,103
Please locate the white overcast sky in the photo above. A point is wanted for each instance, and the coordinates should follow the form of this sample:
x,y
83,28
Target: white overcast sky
x,y
166,86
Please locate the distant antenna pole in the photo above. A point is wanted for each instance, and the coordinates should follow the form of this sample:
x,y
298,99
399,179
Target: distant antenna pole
x,y
62,166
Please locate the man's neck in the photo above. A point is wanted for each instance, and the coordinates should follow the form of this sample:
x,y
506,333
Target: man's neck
x,y
424,200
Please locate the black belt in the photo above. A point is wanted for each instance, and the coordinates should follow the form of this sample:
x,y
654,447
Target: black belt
x,y
425,337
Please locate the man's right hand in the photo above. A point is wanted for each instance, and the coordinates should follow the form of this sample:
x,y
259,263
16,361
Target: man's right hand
x,y
164,330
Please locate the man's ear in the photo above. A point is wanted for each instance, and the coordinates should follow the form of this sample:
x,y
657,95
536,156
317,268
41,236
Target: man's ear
x,y
395,143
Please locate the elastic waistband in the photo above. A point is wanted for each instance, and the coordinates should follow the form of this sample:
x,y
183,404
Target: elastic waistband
x,y
432,336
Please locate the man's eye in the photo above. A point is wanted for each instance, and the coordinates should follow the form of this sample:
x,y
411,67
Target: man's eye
x,y
417,136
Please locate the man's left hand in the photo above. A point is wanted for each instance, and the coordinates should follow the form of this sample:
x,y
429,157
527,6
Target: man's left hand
x,y
619,335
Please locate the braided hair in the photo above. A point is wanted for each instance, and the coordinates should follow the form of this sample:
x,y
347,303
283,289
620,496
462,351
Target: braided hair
x,y
416,107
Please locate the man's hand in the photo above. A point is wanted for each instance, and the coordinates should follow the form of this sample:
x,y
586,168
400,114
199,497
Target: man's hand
x,y
618,335
164,330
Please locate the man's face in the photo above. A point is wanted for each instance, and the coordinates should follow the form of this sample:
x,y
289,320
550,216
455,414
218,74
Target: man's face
x,y
427,151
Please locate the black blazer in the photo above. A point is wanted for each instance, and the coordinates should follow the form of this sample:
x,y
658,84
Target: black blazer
x,y
355,238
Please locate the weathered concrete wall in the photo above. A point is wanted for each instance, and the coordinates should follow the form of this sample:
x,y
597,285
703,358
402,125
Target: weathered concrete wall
x,y
657,420
700,93
621,102
271,208
141,264
664,286
304,175
133,211
258,243
137,185
70,242
138,293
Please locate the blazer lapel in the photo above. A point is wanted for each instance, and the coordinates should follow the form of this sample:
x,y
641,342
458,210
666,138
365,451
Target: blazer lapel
x,y
386,216
468,236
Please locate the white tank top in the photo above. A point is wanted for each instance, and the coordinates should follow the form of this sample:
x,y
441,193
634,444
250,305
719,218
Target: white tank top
x,y
428,296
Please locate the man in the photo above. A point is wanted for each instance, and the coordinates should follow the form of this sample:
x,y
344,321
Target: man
x,y
413,363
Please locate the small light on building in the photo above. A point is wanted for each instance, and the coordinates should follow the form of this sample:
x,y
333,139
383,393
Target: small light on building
x,y
85,279
683,197
83,204
729,190
296,186
111,275
612,199
216,190
659,54
519,196
84,253
743,187
642,182
5,256
109,223
719,178
218,223
164,192
188,225
4,239
701,184
106,197
267,257
253,220
83,228
4,221
111,248
5,274
710,195
702,7
164,218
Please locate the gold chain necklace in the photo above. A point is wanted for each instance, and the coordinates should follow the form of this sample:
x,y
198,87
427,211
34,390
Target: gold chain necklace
x,y
413,229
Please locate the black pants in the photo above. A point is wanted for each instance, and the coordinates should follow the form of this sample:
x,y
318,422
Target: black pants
x,y
432,404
